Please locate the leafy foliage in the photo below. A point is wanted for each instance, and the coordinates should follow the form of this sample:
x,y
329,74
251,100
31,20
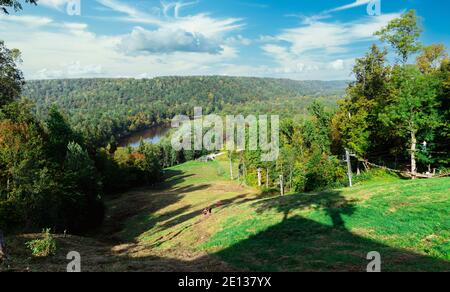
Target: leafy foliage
x,y
11,78
402,34
43,247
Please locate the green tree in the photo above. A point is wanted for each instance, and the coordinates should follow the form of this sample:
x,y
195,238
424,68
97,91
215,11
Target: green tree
x,y
11,78
81,207
357,118
403,35
414,108
60,135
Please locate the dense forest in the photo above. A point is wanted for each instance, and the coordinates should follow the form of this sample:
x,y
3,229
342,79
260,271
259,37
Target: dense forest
x,y
107,109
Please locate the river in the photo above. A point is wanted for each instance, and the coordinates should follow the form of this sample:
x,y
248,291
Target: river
x,y
152,135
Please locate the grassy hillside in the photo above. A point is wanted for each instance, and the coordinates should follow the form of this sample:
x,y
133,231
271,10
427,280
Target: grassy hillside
x,y
164,229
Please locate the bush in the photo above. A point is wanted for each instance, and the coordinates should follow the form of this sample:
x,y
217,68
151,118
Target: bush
x,y
323,172
43,247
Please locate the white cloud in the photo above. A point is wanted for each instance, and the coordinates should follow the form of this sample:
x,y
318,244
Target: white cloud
x,y
71,70
202,23
332,37
199,33
317,46
238,40
75,26
357,3
70,50
27,20
174,45
337,65
165,40
55,4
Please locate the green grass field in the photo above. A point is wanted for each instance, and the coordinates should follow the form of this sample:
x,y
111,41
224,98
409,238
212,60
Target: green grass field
x,y
163,229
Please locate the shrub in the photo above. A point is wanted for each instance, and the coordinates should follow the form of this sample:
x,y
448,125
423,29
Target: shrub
x,y
323,171
43,247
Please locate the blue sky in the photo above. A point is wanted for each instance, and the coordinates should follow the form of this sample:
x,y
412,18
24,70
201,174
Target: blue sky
x,y
298,39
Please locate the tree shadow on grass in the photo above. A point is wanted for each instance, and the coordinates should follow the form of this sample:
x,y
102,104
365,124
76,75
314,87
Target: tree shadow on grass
x,y
301,244
331,202
294,244
130,215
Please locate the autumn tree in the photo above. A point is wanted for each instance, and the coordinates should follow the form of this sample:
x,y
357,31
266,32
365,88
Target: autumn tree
x,y
432,58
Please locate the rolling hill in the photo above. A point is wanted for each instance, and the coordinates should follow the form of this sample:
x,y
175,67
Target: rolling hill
x,y
117,107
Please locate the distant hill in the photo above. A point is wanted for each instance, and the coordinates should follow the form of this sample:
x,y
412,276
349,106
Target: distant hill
x,y
114,107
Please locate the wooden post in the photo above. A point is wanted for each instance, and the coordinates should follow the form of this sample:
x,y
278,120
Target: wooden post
x,y
231,165
239,172
282,185
259,177
349,167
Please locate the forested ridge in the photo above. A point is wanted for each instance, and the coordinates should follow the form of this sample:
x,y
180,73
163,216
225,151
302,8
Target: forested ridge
x,y
110,108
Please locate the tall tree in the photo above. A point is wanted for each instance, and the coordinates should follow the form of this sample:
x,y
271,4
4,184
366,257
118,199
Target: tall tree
x,y
11,78
414,109
357,119
403,35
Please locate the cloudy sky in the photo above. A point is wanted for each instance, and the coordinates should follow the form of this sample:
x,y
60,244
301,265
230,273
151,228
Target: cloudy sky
x,y
298,39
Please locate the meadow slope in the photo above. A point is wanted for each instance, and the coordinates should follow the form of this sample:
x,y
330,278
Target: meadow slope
x,y
163,228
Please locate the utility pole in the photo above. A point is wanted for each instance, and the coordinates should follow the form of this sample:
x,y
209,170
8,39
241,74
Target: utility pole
x,y
349,167
282,185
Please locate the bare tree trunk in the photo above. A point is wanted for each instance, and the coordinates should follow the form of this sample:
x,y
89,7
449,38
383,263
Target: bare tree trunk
x,y
349,167
413,154
267,178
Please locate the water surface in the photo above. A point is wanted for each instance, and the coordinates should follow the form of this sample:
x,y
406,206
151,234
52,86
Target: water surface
x,y
152,135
